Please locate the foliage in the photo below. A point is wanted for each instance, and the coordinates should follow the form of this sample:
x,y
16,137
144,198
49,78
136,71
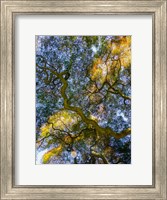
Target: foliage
x,y
83,99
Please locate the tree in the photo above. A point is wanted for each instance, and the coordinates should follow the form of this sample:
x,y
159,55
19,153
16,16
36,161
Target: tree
x,y
83,103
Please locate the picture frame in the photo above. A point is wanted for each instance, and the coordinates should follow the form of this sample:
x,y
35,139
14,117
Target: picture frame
x,y
9,10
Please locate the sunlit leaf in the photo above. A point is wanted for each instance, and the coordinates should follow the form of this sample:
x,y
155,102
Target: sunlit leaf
x,y
73,154
53,152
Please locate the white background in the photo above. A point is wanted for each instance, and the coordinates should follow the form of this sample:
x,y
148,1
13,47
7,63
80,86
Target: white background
x,y
137,173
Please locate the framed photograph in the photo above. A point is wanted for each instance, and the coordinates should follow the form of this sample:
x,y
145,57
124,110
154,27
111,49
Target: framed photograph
x,y
83,99
87,99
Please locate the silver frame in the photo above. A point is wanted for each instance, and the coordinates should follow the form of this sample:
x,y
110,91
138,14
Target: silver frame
x,y
9,10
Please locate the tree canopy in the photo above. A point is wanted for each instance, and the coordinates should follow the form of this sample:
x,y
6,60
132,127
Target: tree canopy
x,y
83,99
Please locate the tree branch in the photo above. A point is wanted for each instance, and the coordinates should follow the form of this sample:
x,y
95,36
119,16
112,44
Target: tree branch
x,y
78,110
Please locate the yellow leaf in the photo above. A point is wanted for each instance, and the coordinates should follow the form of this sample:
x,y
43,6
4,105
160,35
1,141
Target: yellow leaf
x,y
53,152
98,71
45,129
73,154
122,48
115,49
59,120
126,58
68,139
94,118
